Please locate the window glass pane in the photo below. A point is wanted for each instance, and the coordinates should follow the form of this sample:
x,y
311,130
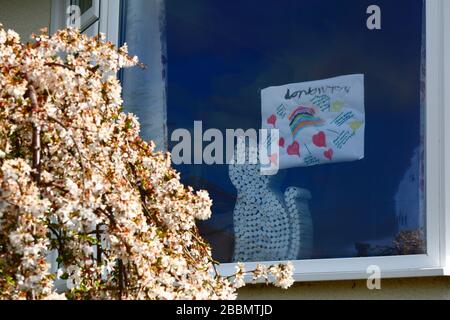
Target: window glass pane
x,y
84,5
216,58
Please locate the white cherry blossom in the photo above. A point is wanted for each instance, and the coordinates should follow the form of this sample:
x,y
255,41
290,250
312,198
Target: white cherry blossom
x,y
77,179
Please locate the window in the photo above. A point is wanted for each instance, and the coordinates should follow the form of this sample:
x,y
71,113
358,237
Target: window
x,y
96,16
85,5
210,61
221,54
90,14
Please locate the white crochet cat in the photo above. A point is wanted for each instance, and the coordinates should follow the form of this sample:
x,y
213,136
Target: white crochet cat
x,y
266,229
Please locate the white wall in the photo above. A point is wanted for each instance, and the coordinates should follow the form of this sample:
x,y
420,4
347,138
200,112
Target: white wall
x,y
25,16
436,288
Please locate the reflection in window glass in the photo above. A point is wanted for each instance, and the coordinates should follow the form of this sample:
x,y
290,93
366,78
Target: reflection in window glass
x,y
217,56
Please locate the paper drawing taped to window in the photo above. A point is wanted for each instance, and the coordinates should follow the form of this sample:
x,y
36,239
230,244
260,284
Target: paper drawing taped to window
x,y
320,122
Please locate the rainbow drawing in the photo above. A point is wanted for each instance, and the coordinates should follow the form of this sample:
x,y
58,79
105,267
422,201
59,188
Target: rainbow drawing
x,y
303,117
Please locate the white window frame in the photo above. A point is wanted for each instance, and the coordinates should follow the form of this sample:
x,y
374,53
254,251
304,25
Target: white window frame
x,y
91,15
437,164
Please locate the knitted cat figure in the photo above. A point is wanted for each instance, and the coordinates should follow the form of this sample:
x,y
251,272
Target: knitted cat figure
x,y
265,229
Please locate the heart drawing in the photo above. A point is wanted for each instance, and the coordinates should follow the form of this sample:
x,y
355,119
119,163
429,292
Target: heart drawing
x,y
272,120
294,149
281,142
329,154
320,140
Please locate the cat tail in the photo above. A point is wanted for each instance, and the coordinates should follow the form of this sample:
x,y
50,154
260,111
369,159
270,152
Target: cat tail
x,y
301,225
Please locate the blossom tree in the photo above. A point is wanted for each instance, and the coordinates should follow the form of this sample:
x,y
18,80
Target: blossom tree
x,y
76,179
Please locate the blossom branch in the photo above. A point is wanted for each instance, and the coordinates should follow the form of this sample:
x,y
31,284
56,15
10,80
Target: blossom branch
x,y
87,184
36,135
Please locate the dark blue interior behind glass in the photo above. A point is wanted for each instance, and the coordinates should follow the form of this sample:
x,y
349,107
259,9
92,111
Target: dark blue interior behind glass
x,y
222,53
